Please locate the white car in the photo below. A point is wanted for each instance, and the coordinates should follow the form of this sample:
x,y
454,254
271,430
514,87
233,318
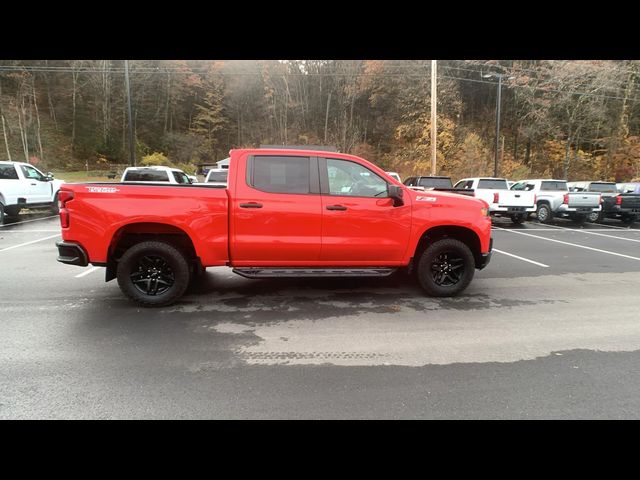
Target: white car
x,y
24,186
502,201
394,175
217,177
155,175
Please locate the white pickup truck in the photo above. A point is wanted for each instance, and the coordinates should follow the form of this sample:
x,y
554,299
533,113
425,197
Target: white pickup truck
x,y
24,186
553,199
501,200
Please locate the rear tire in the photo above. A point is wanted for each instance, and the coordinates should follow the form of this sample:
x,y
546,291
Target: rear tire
x,y
153,274
594,217
446,268
1,213
628,219
545,215
518,218
579,219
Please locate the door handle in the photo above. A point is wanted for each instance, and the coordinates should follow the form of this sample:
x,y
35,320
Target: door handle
x,y
33,184
336,207
251,205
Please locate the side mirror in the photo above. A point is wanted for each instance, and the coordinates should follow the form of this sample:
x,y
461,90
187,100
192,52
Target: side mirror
x,y
395,192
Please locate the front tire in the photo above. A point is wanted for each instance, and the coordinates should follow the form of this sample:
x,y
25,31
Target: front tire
x,y
446,268
54,206
153,274
1,213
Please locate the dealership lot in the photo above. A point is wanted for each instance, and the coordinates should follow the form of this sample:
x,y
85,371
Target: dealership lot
x,y
548,330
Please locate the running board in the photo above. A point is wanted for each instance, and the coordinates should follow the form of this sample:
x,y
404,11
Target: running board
x,y
313,272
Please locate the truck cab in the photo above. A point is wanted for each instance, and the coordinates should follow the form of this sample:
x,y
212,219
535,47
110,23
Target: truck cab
x,y
284,213
24,186
616,205
553,199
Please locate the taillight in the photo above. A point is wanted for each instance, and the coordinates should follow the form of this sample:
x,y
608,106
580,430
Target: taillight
x,y
618,200
535,198
63,197
495,197
565,199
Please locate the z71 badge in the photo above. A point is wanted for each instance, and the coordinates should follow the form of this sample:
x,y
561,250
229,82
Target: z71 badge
x,y
103,189
422,198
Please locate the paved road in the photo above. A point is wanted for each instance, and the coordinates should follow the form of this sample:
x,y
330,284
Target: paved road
x,y
548,330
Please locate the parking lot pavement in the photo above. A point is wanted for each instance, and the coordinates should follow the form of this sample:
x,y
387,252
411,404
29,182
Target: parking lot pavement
x,y
548,330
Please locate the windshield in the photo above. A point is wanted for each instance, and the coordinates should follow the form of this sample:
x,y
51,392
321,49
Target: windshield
x,y
493,184
428,182
603,187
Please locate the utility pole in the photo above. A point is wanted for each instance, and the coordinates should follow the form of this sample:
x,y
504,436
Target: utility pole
x,y
499,76
434,125
132,149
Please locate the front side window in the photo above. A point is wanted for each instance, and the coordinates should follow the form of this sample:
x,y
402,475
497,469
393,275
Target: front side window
x,y
181,177
281,174
32,173
352,179
8,172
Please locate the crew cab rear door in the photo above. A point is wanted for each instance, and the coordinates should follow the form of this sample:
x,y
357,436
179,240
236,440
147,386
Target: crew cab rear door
x,y
276,211
360,225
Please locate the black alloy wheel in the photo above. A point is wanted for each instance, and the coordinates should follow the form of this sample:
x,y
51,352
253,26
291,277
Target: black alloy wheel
x,y
153,276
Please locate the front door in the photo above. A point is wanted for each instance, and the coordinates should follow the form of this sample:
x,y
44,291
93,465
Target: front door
x,y
37,188
276,212
360,224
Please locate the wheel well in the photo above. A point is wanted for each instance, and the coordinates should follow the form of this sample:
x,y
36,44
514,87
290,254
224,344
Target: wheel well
x,y
465,235
135,233
540,202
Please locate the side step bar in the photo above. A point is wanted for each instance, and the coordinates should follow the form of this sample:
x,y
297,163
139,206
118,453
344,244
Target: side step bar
x,y
256,272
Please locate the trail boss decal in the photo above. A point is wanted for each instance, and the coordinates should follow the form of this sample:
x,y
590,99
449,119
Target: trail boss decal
x,y
422,198
103,189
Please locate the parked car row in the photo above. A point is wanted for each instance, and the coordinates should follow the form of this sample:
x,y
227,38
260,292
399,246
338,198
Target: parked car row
x,y
546,198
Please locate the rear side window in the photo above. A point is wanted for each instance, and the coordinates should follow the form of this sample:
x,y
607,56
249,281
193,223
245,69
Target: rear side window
x,y
464,184
8,172
281,174
493,184
562,186
146,176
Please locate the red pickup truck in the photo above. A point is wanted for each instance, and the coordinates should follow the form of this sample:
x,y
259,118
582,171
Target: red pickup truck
x,y
285,213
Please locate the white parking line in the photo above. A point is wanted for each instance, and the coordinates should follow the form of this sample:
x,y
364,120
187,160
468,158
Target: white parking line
x,y
572,244
29,231
521,258
594,233
29,243
27,221
93,269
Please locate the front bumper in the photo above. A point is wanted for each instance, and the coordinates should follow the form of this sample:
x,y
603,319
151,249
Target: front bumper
x,y
485,258
72,254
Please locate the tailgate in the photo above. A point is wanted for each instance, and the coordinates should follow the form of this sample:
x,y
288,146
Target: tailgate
x,y
583,200
511,198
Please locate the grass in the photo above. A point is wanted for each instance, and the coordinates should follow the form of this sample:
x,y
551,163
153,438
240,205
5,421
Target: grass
x,y
84,176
